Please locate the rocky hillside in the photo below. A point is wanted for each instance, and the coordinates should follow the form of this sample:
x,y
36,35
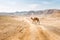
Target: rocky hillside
x,y
40,12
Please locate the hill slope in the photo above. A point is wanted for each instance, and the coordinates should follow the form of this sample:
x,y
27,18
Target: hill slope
x,y
22,28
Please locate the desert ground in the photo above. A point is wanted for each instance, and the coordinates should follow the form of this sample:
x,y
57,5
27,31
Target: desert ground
x,y
24,28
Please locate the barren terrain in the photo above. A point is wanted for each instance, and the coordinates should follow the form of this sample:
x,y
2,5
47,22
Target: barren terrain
x,y
23,28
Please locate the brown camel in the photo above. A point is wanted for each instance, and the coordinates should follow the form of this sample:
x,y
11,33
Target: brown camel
x,y
35,19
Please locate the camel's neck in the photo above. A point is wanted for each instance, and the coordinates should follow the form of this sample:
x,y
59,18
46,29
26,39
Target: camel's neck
x,y
32,18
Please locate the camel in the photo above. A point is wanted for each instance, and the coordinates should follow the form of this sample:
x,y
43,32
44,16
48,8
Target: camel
x,y
35,19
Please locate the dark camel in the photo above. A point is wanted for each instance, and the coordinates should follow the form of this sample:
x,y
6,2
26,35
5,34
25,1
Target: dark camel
x,y
35,19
